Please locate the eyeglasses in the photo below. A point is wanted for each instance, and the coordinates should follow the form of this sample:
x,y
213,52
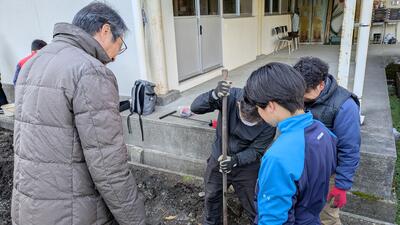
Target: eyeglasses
x,y
124,47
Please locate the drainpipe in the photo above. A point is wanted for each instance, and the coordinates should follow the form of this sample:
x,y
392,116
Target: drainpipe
x,y
155,45
362,46
346,42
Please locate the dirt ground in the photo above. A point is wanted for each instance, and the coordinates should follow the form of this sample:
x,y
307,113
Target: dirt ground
x,y
6,171
172,199
169,199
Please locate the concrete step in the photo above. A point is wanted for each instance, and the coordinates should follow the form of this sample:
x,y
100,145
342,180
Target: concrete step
x,y
167,161
352,219
371,207
169,144
378,158
7,122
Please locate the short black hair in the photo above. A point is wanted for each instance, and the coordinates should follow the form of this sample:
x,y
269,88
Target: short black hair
x,y
92,17
249,112
276,82
37,44
313,70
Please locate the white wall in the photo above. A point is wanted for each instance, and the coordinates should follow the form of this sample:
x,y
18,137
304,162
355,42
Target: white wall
x,y
239,41
22,21
269,22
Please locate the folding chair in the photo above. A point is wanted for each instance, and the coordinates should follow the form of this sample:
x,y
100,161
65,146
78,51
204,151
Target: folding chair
x,y
296,38
282,38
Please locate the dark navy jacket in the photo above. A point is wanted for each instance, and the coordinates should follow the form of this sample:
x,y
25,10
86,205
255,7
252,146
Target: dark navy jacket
x,y
20,64
293,181
338,109
247,143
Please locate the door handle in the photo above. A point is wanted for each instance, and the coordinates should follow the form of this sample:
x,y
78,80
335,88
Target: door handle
x,y
201,30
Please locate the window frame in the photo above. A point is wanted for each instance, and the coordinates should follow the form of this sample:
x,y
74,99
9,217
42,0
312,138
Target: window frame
x,y
271,5
238,12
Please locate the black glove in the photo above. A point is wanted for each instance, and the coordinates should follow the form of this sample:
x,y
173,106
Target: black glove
x,y
225,166
222,89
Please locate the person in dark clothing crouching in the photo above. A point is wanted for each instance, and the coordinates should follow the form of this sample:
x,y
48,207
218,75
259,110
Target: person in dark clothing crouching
x,y
247,143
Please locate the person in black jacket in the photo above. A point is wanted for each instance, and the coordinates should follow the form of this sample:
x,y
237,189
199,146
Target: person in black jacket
x,y
247,143
339,110
3,97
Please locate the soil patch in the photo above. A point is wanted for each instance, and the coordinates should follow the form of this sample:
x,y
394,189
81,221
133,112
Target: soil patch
x,y
169,199
175,200
6,172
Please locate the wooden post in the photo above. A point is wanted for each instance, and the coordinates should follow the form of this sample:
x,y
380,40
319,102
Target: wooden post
x,y
328,21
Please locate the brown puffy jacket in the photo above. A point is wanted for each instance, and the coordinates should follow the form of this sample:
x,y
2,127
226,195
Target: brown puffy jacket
x,y
70,157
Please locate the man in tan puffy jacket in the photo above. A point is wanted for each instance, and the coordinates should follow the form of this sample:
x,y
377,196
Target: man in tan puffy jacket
x,y
70,156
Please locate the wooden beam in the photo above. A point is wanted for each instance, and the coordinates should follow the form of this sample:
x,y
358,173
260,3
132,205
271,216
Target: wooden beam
x,y
328,21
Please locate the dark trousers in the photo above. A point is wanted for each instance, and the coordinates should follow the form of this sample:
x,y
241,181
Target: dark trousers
x,y
3,97
243,180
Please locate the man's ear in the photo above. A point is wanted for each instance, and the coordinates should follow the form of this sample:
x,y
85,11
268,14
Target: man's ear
x,y
321,85
271,107
105,29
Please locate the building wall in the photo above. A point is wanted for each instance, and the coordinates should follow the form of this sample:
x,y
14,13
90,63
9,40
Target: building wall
x,y
268,37
239,41
24,20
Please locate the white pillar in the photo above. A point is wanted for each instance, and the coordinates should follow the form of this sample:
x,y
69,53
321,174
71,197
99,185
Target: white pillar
x,y
362,46
139,37
155,45
346,42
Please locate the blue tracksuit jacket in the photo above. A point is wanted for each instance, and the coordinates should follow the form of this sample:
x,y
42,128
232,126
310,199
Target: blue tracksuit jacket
x,y
293,180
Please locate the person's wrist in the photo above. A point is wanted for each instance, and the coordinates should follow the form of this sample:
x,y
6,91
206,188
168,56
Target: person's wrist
x,y
338,189
235,161
214,95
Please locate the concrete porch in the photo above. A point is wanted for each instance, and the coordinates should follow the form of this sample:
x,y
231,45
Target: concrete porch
x,y
183,146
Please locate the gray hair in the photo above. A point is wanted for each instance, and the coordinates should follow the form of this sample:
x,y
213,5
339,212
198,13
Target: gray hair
x,y
93,16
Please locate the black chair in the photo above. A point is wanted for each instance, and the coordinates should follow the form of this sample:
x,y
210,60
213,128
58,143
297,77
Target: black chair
x,y
296,38
283,38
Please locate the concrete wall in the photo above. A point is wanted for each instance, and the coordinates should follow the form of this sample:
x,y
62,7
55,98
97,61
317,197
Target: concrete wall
x,y
239,41
24,20
269,22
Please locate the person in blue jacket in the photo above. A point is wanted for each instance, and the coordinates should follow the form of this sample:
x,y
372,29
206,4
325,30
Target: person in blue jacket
x,y
293,181
338,109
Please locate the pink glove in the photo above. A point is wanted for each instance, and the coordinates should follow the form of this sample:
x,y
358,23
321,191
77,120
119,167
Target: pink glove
x,y
339,196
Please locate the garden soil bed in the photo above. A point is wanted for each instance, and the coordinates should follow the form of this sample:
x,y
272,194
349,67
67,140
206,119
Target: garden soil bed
x,y
169,199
